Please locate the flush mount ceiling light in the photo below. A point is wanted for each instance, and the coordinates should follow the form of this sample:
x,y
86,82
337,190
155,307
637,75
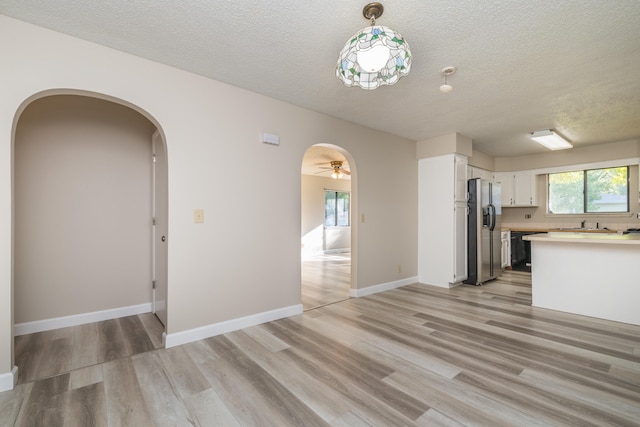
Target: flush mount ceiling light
x,y
550,139
375,55
446,72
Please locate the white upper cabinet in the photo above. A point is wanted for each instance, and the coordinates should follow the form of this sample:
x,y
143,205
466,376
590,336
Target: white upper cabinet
x,y
505,179
460,168
518,189
524,189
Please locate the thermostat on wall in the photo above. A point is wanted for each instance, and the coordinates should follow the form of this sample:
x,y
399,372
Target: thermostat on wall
x,y
270,138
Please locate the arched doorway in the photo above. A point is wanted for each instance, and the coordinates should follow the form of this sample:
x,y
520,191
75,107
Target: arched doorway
x,y
83,176
326,235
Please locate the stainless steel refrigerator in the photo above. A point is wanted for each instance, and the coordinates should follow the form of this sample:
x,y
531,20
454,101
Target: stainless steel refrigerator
x,y
483,228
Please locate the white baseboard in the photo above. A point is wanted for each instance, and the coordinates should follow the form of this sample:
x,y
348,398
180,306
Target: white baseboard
x,y
79,319
9,379
369,290
184,337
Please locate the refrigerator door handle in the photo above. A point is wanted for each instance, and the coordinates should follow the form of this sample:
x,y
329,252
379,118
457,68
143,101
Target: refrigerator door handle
x,y
492,214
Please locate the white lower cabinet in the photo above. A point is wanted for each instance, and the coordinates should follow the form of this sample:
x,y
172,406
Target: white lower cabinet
x,y
506,248
460,213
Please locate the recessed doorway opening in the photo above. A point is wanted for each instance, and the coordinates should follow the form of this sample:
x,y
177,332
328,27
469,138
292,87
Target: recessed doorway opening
x,y
326,227
83,232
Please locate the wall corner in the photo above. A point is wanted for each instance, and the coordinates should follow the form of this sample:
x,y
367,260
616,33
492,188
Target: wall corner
x,y
453,143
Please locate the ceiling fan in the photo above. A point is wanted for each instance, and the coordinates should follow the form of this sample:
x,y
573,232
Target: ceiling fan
x,y
337,171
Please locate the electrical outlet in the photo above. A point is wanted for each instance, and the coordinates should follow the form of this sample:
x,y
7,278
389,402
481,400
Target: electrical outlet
x,y
638,215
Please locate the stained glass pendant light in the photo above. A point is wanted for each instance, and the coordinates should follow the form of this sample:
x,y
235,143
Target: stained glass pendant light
x,y
375,55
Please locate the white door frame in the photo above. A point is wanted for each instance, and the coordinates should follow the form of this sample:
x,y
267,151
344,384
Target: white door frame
x,y
159,233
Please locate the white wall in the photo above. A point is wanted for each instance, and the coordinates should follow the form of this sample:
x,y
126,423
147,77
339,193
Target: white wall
x,y
82,195
245,258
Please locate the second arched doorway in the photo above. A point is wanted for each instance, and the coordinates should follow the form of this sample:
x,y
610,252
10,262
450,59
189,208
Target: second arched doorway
x,y
326,226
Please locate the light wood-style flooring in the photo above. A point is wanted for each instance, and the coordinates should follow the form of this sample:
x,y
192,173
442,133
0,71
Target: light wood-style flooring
x,y
45,354
326,279
414,356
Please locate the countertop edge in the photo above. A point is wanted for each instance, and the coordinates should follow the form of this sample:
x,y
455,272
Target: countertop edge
x,y
556,230
586,238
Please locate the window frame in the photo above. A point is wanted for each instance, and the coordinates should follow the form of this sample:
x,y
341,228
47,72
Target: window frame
x,y
585,200
336,213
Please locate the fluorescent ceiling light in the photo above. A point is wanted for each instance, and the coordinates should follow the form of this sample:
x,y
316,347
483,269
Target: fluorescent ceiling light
x,y
550,139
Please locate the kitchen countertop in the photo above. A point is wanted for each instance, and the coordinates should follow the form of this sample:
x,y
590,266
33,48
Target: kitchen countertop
x,y
559,230
588,238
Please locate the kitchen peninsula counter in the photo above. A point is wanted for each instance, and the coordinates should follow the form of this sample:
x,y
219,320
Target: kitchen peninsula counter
x,y
584,273
559,230
587,238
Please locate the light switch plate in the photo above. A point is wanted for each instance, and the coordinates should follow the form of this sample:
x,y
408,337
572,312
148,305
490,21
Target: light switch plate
x,y
198,216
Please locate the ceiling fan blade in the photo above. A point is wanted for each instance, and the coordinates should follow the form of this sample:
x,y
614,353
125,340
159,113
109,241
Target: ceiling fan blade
x,y
344,171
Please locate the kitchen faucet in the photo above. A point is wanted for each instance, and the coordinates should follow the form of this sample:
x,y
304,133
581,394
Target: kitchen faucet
x,y
582,223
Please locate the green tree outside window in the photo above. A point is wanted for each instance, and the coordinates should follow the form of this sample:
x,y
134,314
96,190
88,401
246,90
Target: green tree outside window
x,y
590,191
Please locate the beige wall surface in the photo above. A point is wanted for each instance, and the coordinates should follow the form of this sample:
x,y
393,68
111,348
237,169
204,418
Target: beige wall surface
x,y
82,194
482,161
453,143
245,258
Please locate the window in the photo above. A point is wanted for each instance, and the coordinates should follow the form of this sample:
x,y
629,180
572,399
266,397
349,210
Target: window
x,y
336,209
589,191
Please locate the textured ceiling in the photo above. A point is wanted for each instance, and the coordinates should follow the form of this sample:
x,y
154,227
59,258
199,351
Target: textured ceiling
x,y
570,65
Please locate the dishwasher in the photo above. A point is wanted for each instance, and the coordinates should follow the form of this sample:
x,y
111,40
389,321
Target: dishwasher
x,y
521,251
